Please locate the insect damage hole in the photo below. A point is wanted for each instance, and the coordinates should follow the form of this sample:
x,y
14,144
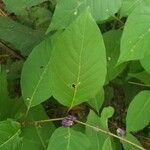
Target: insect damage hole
x,y
73,85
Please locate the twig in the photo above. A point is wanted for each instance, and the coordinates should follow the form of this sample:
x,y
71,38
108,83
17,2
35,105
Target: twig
x,y
111,134
47,120
140,84
2,13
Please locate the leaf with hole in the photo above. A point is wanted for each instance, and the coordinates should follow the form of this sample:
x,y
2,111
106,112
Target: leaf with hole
x,y
81,73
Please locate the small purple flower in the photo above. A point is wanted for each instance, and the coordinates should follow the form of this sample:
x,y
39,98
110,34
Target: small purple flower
x,y
68,121
120,132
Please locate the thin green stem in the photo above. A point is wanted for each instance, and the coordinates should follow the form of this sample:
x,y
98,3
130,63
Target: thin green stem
x,y
48,120
140,84
111,134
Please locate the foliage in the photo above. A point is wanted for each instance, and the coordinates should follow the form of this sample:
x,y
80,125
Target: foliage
x,y
85,62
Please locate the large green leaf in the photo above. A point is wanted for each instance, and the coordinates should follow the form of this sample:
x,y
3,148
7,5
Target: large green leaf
x,y
79,64
135,45
9,135
36,75
20,4
97,101
138,112
68,139
66,11
107,144
19,36
146,63
36,136
132,139
112,43
128,6
5,101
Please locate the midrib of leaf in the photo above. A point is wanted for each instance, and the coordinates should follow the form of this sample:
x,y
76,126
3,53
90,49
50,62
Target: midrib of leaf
x,y
141,110
42,142
68,144
79,69
10,138
35,89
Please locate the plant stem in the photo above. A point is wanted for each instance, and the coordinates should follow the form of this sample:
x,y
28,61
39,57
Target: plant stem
x,y
140,84
48,120
111,134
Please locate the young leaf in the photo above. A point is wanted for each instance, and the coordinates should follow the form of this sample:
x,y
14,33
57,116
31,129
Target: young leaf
x,y
68,139
131,138
19,36
107,145
135,45
78,77
128,6
146,63
36,75
9,132
36,136
97,101
112,43
106,113
138,112
67,11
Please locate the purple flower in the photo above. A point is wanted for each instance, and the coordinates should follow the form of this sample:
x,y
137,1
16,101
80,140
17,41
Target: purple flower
x,y
68,121
120,132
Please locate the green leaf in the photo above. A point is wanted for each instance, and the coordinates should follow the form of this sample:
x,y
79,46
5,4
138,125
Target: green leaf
x,y
20,5
36,136
107,145
19,36
112,43
5,101
96,138
135,45
128,6
81,73
138,112
97,101
146,63
142,76
67,11
9,131
106,113
68,139
36,75
132,139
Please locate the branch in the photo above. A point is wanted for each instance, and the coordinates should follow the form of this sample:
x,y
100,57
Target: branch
x,y
111,134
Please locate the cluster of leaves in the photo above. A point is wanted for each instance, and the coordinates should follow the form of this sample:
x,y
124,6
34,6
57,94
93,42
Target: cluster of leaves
x,y
74,52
